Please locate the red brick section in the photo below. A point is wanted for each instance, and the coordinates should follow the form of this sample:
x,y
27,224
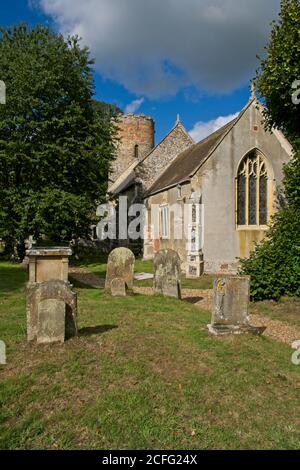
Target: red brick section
x,y
134,130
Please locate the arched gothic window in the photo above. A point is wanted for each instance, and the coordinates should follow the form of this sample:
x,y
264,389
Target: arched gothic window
x,y
252,190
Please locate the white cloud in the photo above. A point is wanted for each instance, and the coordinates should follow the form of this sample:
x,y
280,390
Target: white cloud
x,y
157,47
203,129
134,105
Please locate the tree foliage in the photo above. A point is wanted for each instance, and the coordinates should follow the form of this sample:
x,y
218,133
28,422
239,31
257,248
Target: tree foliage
x,y
275,264
280,70
55,145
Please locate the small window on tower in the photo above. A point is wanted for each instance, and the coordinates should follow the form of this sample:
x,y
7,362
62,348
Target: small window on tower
x,y
136,151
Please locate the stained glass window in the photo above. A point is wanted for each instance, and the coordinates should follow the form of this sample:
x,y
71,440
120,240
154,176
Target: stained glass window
x,y
263,206
252,191
252,200
241,200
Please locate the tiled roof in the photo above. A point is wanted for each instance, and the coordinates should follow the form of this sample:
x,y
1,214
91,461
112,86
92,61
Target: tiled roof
x,y
189,161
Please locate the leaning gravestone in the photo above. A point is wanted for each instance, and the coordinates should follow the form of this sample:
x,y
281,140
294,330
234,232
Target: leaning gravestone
x,y
230,314
120,265
167,274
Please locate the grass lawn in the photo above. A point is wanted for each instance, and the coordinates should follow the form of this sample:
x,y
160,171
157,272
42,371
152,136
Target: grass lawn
x,y
142,374
286,310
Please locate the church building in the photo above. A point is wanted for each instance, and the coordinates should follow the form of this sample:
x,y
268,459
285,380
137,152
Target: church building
x,y
229,182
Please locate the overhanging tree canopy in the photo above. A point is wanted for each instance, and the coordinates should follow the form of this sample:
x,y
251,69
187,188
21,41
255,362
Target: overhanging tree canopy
x,y
55,145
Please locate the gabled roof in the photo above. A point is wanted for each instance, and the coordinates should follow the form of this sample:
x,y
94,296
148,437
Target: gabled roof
x,y
126,179
189,161
186,165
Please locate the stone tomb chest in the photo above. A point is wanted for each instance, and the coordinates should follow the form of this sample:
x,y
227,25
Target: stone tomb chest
x,y
51,302
48,264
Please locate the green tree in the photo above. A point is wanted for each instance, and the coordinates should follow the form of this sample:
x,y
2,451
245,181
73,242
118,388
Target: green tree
x,y
275,264
280,70
107,109
55,145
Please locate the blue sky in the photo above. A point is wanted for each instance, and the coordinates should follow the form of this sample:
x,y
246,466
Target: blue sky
x,y
192,57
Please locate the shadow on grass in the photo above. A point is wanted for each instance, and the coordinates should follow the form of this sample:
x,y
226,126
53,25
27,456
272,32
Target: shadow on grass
x,y
193,300
80,285
96,330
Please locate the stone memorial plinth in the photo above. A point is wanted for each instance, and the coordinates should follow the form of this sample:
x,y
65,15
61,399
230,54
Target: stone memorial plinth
x,y
48,264
167,274
230,312
51,302
120,265
195,265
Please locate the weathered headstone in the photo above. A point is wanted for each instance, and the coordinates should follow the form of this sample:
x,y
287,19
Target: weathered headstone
x,y
230,313
51,321
51,302
118,287
167,274
48,303
2,353
120,265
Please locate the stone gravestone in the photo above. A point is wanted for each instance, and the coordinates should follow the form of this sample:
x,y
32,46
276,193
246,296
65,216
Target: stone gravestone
x,y
167,274
120,265
51,321
231,298
2,353
118,287
51,302
51,311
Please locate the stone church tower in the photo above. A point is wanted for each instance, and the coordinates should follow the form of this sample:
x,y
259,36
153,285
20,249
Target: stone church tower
x,y
135,139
